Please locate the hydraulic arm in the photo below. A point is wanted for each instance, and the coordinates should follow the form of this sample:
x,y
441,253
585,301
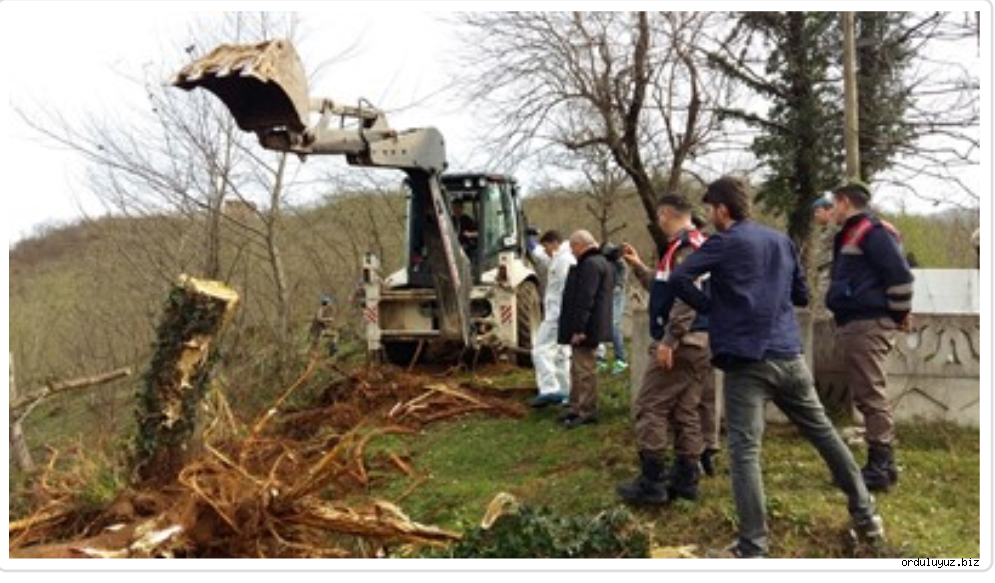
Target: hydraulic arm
x,y
264,86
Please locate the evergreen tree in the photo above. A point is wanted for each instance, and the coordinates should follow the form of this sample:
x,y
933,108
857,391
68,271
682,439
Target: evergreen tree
x,y
801,131
801,134
884,51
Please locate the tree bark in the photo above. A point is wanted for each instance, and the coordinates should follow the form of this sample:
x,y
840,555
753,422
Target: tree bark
x,y
273,225
178,378
18,445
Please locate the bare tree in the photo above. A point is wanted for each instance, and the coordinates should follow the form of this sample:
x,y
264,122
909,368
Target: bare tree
x,y
631,83
603,193
941,166
182,162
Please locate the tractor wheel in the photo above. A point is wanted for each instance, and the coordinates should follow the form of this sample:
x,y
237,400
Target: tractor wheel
x,y
400,353
529,317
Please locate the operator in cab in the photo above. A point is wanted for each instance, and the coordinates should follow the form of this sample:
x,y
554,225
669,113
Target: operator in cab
x,y
466,228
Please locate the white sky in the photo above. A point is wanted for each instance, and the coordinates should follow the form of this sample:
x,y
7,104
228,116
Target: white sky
x,y
72,55
81,51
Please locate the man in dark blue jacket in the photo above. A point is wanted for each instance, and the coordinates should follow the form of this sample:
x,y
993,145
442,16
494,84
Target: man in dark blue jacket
x,y
870,295
755,284
585,322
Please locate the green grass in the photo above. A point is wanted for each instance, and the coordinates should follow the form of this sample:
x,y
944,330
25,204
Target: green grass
x,y
461,465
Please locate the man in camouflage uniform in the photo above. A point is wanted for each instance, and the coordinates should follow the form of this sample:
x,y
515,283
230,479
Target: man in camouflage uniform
x,y
677,371
323,327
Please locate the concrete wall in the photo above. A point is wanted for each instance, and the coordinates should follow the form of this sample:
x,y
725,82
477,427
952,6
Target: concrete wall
x,y
933,372
947,291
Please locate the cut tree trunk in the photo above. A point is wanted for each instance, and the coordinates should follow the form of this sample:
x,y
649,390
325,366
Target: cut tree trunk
x,y
179,376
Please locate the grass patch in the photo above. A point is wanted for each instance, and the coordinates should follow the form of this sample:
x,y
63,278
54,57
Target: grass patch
x,y
457,467
461,465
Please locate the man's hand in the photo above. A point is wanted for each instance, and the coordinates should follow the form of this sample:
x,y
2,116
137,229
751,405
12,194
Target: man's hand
x,y
906,324
665,356
630,255
577,338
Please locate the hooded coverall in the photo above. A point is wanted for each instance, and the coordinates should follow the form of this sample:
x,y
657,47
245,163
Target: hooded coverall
x,y
552,360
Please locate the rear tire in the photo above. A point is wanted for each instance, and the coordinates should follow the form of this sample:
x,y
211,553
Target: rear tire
x,y
529,315
400,353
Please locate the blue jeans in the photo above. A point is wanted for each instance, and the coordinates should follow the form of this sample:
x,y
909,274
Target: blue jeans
x,y
618,342
789,384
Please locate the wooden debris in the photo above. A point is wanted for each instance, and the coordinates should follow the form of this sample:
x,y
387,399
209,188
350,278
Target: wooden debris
x,y
271,495
501,505
150,540
401,465
383,521
22,406
683,552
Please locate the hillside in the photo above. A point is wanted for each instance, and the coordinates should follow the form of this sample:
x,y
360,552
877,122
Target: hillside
x,y
84,297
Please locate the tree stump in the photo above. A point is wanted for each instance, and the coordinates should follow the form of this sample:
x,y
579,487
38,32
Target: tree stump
x,y
172,390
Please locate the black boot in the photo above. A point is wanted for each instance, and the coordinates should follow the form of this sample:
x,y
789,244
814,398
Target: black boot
x,y
708,461
650,487
880,473
684,479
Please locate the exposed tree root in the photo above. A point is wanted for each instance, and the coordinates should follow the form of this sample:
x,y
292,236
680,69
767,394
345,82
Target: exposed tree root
x,y
280,491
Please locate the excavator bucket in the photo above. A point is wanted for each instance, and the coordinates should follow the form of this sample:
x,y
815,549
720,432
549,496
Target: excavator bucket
x,y
263,85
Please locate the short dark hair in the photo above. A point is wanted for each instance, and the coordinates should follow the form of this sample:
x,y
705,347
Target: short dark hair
x,y
676,201
731,191
551,236
854,191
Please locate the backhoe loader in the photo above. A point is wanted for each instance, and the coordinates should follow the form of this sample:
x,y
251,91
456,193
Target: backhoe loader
x,y
450,297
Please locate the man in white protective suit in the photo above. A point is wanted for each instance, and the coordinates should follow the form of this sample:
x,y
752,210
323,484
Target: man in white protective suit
x,y
552,360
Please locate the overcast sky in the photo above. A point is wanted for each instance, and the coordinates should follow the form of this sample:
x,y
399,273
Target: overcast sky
x,y
76,55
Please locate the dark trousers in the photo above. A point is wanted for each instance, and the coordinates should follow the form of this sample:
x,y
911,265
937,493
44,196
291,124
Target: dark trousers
x,y
707,415
864,345
583,381
789,384
672,396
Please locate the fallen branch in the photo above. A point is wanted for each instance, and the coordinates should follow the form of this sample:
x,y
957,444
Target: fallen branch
x,y
384,521
51,515
65,386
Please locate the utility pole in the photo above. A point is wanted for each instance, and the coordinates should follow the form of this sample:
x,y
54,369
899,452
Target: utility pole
x,y
851,130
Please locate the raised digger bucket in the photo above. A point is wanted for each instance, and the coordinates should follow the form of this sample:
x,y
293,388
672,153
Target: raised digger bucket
x,y
263,85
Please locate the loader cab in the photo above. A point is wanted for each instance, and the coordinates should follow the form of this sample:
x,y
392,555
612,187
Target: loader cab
x,y
492,205
489,202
